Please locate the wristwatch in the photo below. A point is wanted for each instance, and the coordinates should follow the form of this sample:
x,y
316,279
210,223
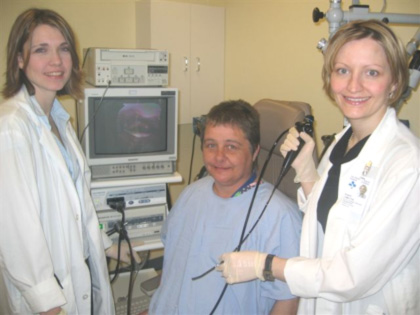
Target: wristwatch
x,y
268,272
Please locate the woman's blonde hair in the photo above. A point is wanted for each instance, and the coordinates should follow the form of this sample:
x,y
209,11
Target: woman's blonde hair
x,y
394,50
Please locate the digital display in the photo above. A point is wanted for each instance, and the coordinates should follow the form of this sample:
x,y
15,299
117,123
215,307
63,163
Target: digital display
x,y
130,125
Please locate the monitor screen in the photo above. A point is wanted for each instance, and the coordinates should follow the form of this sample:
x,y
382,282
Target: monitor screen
x,y
129,131
130,125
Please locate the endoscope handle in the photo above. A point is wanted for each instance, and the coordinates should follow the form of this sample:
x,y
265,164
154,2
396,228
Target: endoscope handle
x,y
307,126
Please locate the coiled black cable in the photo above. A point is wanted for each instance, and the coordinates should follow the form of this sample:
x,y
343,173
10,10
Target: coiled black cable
x,y
119,206
243,237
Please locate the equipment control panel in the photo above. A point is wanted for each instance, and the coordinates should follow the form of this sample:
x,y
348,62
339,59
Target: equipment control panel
x,y
126,67
141,223
134,169
145,210
134,196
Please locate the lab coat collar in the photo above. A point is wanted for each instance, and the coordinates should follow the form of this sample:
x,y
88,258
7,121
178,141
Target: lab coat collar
x,y
29,104
383,131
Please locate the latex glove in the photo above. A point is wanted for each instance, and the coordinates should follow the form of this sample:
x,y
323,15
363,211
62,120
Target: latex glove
x,y
112,252
303,164
242,266
54,311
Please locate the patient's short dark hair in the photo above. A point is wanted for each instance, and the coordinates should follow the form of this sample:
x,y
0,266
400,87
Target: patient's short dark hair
x,y
236,113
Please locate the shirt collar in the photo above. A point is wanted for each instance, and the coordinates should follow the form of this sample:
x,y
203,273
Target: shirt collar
x,y
251,182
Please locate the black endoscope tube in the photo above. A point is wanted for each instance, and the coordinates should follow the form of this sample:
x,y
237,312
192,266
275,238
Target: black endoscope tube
x,y
307,126
243,238
256,189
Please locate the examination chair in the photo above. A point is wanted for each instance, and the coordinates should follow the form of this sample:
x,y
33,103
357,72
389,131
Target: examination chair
x,y
276,117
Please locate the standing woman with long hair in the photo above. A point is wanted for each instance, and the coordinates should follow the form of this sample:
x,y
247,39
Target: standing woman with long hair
x,y
52,253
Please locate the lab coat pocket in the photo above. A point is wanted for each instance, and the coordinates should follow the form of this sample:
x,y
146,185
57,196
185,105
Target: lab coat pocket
x,y
343,223
345,217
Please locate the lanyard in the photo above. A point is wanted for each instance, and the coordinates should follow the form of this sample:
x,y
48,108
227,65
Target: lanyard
x,y
246,186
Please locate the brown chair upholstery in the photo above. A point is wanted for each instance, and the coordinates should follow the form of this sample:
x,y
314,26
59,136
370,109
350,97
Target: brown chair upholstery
x,y
276,117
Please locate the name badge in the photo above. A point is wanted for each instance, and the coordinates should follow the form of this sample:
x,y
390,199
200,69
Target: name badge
x,y
358,187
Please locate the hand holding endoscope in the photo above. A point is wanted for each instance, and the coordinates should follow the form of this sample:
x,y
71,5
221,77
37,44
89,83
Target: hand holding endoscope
x,y
307,126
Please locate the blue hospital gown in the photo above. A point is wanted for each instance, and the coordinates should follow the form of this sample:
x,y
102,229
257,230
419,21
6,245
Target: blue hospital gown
x,y
200,228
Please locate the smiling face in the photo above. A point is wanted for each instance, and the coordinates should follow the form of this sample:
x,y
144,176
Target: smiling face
x,y
228,158
49,65
361,83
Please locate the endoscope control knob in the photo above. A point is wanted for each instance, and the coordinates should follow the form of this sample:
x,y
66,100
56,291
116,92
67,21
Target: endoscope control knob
x,y
317,15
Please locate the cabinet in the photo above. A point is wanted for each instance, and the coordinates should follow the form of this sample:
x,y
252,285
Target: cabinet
x,y
194,37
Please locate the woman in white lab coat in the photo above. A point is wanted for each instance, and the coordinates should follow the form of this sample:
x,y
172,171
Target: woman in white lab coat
x,y
52,253
364,194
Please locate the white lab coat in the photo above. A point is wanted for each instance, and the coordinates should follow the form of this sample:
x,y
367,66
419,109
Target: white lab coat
x,y
41,221
368,261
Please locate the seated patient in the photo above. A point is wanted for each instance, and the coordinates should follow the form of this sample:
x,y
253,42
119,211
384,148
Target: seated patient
x,y
208,218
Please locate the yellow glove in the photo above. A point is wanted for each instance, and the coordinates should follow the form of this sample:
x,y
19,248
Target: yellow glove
x,y
242,266
304,164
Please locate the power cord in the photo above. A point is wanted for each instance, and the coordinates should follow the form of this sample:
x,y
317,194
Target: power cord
x,y
118,204
96,111
77,107
192,157
198,123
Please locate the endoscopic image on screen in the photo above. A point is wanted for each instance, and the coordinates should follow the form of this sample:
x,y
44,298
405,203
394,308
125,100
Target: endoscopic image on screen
x,y
131,127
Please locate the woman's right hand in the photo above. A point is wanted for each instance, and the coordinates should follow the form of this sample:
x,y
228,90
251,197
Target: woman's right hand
x,y
303,164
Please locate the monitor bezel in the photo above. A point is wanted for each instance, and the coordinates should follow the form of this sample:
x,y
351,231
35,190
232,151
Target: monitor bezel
x,y
87,142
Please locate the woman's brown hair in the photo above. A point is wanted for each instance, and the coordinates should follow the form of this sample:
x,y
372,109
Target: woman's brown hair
x,y
21,33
